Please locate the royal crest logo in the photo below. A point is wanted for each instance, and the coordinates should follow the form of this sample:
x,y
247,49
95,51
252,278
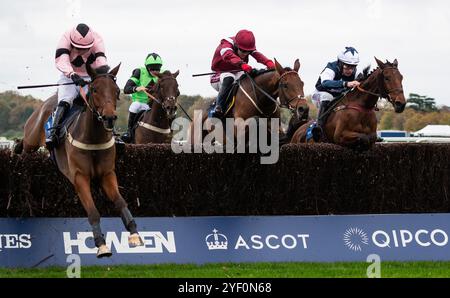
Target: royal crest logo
x,y
216,241
355,238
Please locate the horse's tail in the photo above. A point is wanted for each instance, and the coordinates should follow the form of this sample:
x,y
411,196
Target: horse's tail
x,y
18,146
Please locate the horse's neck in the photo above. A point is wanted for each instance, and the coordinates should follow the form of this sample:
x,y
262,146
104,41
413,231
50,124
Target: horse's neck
x,y
365,99
88,129
157,116
268,83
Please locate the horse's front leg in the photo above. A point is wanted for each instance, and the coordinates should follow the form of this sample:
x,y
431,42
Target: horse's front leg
x,y
355,140
111,189
82,186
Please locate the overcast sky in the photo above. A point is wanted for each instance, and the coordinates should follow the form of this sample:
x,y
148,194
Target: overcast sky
x,y
186,33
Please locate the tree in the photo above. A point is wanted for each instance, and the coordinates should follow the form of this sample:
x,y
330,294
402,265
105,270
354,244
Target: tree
x,y
421,103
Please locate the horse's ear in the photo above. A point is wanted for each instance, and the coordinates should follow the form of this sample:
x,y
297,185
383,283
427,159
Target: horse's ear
x,y
297,65
91,72
115,70
278,67
175,74
156,74
380,64
395,62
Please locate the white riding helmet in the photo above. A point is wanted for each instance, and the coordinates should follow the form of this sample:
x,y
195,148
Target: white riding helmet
x,y
349,56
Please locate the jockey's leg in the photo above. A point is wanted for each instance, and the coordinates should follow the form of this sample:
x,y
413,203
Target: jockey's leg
x,y
219,110
325,101
126,137
61,109
66,95
134,109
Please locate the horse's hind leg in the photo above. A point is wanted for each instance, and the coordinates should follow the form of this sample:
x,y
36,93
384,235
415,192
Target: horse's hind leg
x,y
83,188
111,189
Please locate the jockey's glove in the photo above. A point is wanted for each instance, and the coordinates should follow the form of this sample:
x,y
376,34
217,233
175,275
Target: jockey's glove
x,y
270,65
247,68
78,80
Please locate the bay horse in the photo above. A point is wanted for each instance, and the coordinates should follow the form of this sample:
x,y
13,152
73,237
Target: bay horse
x,y
88,150
256,97
154,126
352,121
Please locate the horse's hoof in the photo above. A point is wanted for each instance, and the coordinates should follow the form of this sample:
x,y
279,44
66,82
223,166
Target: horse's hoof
x,y
103,251
135,240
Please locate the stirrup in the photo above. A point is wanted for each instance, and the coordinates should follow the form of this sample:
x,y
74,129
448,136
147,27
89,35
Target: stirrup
x,y
217,112
125,137
50,144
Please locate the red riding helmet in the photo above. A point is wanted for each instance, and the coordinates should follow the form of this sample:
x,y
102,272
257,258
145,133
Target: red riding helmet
x,y
245,40
82,37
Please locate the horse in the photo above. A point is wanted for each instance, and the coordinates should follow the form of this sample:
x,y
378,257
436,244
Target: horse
x,y
88,150
154,125
352,121
255,97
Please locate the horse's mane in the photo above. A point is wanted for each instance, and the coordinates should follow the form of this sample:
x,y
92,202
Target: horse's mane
x,y
365,74
263,71
166,73
259,72
104,69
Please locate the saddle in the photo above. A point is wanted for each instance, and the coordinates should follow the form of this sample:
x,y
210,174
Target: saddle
x,y
69,117
229,101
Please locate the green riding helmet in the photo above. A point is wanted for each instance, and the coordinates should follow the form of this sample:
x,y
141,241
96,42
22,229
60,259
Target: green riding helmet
x,y
153,62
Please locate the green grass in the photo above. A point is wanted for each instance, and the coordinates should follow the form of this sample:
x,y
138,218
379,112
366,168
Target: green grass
x,y
245,270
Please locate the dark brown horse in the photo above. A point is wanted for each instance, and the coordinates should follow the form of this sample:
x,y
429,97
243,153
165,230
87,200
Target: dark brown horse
x,y
257,97
352,121
88,151
154,126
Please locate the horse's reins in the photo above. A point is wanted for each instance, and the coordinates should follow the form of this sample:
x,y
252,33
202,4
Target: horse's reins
x,y
277,105
91,147
85,97
387,93
152,127
379,95
168,98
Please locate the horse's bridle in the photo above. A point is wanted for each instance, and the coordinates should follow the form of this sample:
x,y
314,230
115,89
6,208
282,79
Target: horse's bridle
x,y
88,98
387,93
157,100
280,85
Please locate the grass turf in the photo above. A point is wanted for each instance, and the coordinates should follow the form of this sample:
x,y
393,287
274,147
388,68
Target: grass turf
x,y
243,270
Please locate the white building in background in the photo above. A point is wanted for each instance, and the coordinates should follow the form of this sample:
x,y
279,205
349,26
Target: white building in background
x,y
5,143
428,134
442,131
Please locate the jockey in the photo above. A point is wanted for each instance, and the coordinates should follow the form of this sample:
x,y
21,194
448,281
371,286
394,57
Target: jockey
x,y
141,80
77,47
230,61
335,79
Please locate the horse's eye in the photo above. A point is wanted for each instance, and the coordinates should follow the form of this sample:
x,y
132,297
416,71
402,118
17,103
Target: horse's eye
x,y
386,78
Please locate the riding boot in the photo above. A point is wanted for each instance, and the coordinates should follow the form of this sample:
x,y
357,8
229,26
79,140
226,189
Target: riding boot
x,y
322,118
126,137
222,97
61,109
